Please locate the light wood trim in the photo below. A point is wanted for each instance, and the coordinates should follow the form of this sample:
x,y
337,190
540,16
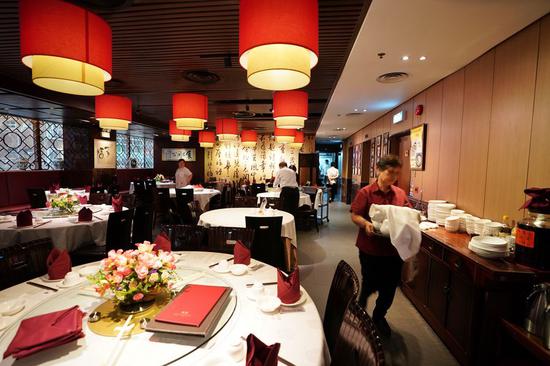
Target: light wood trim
x,y
416,175
434,99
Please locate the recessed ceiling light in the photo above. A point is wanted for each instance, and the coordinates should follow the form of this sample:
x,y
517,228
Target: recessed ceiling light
x,y
340,129
355,109
364,110
422,58
405,58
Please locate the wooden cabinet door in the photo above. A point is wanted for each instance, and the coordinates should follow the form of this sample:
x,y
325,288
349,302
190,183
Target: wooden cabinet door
x,y
419,285
459,310
438,289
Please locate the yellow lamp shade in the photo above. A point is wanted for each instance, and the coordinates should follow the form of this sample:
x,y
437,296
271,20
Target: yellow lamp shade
x,y
113,124
228,137
248,143
290,122
180,138
192,124
284,139
207,145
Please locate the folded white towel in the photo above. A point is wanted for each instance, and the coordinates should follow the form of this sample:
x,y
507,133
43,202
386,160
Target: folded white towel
x,y
402,225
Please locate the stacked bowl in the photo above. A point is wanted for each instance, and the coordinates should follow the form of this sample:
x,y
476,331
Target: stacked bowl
x,y
462,220
480,225
432,204
452,224
489,246
442,211
470,224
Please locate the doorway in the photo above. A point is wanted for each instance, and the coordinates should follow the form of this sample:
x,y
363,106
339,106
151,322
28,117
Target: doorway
x,y
400,145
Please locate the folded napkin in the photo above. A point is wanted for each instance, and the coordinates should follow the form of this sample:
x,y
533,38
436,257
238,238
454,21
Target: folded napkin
x,y
58,263
54,188
163,242
258,354
83,200
85,214
46,331
116,201
24,218
87,188
288,287
241,253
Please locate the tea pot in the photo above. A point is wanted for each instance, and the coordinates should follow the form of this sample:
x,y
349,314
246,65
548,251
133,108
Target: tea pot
x,y
537,302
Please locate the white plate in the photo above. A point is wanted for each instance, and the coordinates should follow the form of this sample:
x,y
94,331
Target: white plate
x,y
301,300
217,269
6,219
11,307
268,304
238,269
46,278
88,271
61,285
4,323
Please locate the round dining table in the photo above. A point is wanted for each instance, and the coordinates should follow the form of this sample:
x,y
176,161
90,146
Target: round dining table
x,y
298,329
303,200
65,231
236,217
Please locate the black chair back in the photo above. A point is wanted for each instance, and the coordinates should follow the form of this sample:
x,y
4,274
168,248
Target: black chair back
x,y
97,189
150,184
99,198
268,245
223,239
114,189
358,343
37,197
184,195
119,230
257,188
344,289
289,199
24,261
139,186
142,229
215,202
186,237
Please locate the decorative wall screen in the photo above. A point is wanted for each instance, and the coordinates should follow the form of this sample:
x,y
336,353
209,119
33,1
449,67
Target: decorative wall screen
x,y
149,153
51,142
136,149
122,151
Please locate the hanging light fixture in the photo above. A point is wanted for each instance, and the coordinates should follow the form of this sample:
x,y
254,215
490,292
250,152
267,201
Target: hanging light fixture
x,y
278,42
67,47
284,135
290,108
113,112
207,139
226,129
298,140
249,138
190,111
178,134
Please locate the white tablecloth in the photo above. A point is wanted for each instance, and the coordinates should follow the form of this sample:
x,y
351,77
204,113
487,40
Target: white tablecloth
x,y
201,195
65,234
77,192
304,197
235,217
299,332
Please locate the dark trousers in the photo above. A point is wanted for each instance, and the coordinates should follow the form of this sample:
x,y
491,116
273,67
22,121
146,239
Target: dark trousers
x,y
333,190
382,274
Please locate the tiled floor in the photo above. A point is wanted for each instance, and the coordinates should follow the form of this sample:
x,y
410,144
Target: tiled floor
x,y
413,342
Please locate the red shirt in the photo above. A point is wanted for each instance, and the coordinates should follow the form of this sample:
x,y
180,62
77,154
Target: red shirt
x,y
376,245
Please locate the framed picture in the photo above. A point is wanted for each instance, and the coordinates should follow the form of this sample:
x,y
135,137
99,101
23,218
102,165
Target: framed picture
x,y
104,154
386,143
378,147
176,154
418,147
373,158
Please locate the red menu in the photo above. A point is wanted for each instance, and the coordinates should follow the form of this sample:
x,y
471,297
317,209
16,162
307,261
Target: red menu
x,y
192,305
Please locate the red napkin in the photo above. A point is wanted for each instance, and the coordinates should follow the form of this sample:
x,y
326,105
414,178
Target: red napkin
x,y
46,331
163,242
58,263
54,188
241,254
258,354
85,214
87,188
116,201
288,287
83,200
24,218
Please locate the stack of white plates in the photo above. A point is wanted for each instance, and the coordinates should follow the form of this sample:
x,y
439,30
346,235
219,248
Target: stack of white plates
x,y
452,223
492,228
489,246
480,225
442,211
470,224
432,204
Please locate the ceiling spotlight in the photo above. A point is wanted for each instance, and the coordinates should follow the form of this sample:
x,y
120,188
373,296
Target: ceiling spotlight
x,y
355,109
405,58
422,58
364,110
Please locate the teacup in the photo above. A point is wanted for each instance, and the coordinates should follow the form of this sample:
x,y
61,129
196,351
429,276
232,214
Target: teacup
x,y
71,278
223,265
235,349
258,289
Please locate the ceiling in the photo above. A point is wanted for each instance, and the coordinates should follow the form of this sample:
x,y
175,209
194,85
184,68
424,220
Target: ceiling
x,y
449,33
156,42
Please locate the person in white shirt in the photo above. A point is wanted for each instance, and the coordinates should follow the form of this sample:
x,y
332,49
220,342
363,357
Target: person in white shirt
x,y
285,177
332,176
183,175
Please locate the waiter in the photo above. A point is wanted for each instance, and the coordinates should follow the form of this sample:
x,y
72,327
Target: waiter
x,y
380,263
332,177
285,177
183,175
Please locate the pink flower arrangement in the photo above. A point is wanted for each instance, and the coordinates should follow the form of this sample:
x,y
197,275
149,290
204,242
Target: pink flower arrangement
x,y
133,274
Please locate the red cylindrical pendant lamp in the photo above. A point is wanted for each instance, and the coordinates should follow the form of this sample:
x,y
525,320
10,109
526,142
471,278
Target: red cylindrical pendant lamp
x,y
290,108
284,135
298,140
249,138
207,139
178,134
67,47
113,112
278,42
226,129
189,110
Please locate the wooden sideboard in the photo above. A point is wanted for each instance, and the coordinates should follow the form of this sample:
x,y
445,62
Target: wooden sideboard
x,y
463,296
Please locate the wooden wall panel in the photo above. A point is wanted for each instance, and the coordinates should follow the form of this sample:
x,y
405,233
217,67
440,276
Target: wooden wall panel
x,y
451,131
511,118
434,96
478,90
539,157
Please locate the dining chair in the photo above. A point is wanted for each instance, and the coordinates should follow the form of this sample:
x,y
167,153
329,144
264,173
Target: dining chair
x,y
267,245
163,205
215,202
185,207
306,215
119,230
99,198
343,290
97,189
150,184
142,227
358,342
223,239
23,261
257,188
114,189
37,197
186,237
129,200
289,199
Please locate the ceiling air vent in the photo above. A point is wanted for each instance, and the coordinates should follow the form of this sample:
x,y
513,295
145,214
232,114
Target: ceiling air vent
x,y
353,114
243,114
392,77
201,76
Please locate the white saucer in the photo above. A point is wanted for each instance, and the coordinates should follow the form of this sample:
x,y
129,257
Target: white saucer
x,y
301,300
217,269
46,278
268,304
88,271
238,269
11,307
3,323
61,285
250,294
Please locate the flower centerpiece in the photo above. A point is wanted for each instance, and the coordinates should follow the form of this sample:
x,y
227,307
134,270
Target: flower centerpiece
x,y
135,277
159,177
64,202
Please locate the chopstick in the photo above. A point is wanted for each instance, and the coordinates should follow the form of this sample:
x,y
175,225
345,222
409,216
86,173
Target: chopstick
x,y
215,264
97,217
286,362
112,356
264,283
42,223
41,286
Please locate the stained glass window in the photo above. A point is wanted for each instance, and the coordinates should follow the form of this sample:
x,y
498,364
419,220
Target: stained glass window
x,y
17,143
134,149
137,151
149,153
122,151
51,145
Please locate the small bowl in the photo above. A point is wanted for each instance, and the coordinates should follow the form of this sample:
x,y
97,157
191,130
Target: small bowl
x,y
238,269
11,307
268,304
